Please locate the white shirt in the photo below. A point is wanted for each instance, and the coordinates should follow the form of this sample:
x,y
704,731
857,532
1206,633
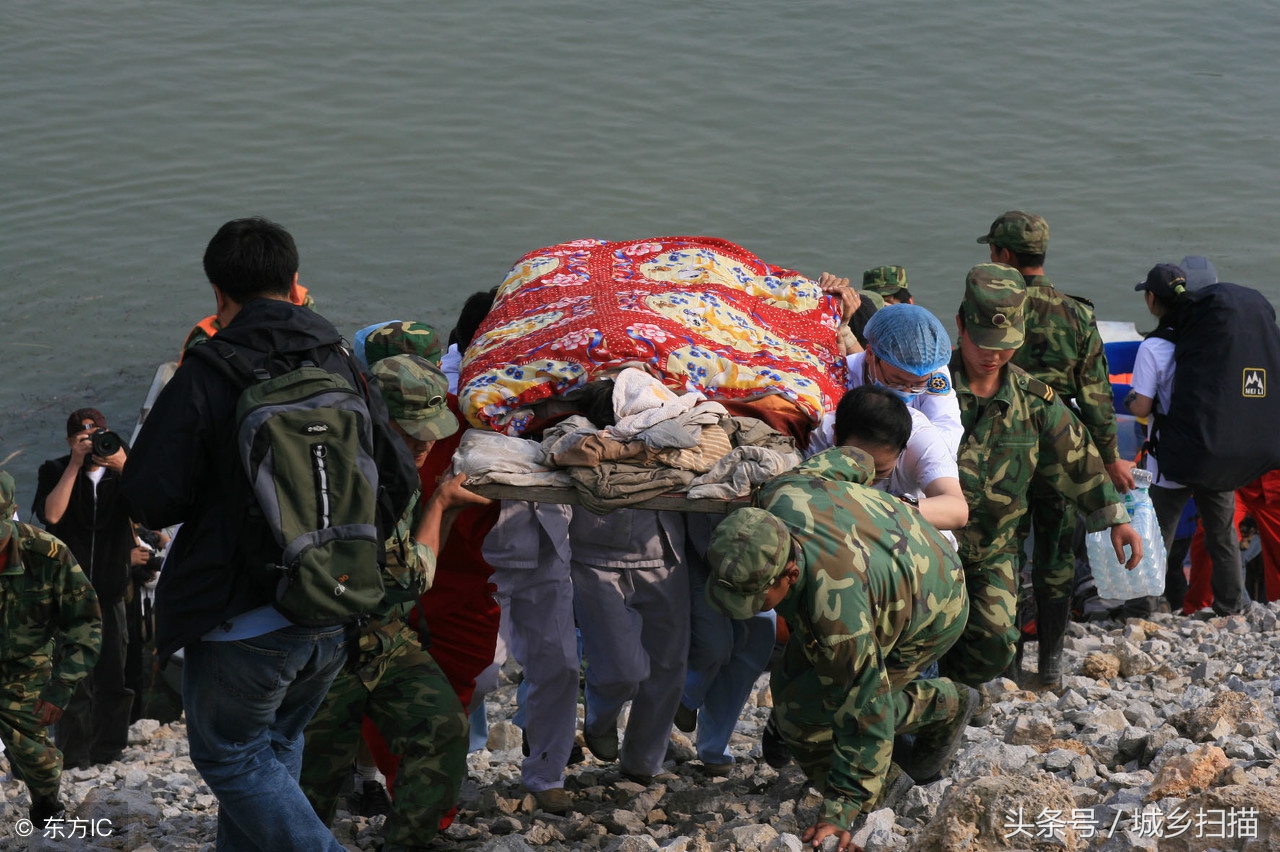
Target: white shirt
x,y
1153,377
925,459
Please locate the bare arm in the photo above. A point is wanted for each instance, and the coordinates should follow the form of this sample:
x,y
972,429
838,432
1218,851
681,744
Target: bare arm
x,y
55,505
944,505
446,501
1139,405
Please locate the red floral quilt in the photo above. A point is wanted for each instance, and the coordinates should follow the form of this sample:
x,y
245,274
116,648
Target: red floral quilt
x,y
701,314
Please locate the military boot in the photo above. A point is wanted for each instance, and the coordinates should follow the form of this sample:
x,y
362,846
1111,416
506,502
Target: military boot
x,y
1052,615
773,747
937,743
43,809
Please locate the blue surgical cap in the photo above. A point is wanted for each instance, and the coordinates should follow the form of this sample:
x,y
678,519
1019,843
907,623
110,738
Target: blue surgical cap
x,y
910,338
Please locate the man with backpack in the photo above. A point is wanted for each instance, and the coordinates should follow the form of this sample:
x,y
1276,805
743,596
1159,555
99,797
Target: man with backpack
x,y
252,676
1201,377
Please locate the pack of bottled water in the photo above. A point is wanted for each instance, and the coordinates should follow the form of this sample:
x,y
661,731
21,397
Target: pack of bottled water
x,y
1112,579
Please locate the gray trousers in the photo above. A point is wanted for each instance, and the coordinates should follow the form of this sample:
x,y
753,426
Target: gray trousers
x,y
1217,511
635,636
537,608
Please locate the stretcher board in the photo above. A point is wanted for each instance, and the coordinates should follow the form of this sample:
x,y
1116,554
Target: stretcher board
x,y
672,502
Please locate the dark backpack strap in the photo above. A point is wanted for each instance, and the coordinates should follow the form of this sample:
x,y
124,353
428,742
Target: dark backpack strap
x,y
224,358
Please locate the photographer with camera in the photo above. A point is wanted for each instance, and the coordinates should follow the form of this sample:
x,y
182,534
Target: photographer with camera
x,y
77,500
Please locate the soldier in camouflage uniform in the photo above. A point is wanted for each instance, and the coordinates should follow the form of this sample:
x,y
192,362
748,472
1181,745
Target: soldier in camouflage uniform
x,y
394,680
889,283
1062,348
1016,429
873,596
49,613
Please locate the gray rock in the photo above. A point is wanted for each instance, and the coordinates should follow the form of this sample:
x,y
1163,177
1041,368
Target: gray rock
x,y
637,843
753,836
992,757
877,831
677,844
785,842
504,736
620,821
509,843
136,778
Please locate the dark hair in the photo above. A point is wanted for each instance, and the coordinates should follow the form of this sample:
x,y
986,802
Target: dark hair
x,y
1174,312
251,257
75,421
875,416
1026,260
474,310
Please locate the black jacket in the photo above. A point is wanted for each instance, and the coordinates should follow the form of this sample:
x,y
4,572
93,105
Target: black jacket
x,y
95,526
185,468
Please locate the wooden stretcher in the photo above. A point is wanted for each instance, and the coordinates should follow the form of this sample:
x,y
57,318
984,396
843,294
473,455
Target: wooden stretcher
x,y
671,502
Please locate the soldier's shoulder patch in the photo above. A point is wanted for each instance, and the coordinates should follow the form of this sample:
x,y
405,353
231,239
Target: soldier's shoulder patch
x,y
1039,389
35,540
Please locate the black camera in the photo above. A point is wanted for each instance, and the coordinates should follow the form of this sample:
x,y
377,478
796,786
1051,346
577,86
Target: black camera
x,y
105,442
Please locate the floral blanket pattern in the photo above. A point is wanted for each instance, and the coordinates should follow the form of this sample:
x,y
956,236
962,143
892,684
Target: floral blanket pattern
x,y
701,314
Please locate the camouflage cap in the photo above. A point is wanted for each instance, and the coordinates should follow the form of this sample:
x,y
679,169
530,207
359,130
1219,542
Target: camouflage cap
x,y
415,392
8,502
403,338
885,280
992,306
749,549
1025,233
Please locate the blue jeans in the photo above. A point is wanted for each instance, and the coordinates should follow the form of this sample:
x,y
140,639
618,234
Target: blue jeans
x,y
247,704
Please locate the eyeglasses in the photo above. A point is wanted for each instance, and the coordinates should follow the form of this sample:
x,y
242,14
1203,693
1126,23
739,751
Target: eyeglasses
x,y
918,386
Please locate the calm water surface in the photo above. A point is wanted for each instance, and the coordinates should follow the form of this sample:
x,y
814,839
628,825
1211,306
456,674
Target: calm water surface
x,y
416,150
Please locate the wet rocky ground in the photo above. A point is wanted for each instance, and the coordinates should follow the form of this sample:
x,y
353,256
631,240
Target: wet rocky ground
x,y
1164,737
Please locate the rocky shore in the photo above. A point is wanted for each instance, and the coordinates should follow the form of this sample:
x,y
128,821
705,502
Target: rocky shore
x,y
1165,737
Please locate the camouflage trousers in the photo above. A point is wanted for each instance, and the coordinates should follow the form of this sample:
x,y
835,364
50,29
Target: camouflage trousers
x,y
31,753
406,695
1053,560
860,736
990,636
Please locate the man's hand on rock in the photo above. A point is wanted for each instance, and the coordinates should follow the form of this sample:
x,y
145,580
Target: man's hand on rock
x,y
820,831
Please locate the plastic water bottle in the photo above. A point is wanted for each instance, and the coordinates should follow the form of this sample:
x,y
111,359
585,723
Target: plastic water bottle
x,y
1112,579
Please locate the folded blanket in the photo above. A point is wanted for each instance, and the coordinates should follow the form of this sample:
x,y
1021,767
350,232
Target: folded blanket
x,y
489,457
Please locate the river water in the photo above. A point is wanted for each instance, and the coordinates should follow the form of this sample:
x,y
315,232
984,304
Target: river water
x,y
416,150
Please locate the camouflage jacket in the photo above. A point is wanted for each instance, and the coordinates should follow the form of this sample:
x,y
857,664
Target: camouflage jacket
x,y
410,570
1024,431
875,581
1064,350
52,623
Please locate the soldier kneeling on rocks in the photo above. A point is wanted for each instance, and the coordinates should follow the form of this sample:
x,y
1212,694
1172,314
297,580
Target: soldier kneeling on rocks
x,y
46,602
873,596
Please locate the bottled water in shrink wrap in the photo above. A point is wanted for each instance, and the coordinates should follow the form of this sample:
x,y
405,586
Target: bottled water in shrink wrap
x,y
1113,580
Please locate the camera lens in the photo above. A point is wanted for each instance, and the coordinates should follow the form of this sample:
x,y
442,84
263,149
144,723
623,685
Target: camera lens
x,y
105,442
